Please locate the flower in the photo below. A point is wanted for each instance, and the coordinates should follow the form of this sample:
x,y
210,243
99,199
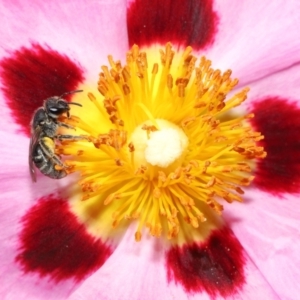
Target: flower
x,y
167,142
123,262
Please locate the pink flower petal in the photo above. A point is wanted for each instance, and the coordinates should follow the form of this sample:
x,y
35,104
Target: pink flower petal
x,y
134,271
137,271
283,84
86,31
256,38
253,38
266,225
268,229
16,197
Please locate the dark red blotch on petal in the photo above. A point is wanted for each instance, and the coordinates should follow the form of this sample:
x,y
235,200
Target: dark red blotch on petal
x,y
214,267
185,23
54,243
30,75
279,122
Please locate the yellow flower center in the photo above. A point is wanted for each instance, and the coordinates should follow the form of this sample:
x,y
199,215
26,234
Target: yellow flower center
x,y
161,146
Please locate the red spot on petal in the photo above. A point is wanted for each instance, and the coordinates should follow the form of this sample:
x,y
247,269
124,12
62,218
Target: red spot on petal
x,y
279,121
184,23
214,267
54,243
30,75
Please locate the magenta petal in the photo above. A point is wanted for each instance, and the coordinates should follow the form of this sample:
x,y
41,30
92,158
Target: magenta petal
x,y
275,103
54,243
183,23
216,266
30,75
278,121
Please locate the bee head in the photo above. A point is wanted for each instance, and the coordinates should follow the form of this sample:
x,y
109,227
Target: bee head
x,y
56,106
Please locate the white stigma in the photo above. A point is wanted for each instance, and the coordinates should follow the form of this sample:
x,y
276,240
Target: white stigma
x,y
165,146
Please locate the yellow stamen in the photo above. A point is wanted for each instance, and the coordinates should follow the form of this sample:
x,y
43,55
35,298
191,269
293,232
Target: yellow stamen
x,y
160,147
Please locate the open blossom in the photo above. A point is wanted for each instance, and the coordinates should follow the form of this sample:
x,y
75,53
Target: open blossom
x,y
140,216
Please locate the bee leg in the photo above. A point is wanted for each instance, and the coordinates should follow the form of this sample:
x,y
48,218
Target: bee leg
x,y
65,125
47,145
66,137
40,159
58,162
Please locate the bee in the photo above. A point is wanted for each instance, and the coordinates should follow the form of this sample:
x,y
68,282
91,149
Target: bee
x,y
44,127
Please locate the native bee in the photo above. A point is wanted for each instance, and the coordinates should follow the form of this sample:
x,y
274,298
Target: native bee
x,y
44,127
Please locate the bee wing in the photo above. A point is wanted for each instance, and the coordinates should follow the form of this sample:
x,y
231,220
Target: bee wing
x,y
33,142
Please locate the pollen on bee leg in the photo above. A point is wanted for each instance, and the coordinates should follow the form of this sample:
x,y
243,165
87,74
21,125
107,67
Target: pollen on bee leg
x,y
59,168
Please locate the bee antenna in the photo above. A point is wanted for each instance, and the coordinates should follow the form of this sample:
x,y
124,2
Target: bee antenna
x,y
72,92
74,103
